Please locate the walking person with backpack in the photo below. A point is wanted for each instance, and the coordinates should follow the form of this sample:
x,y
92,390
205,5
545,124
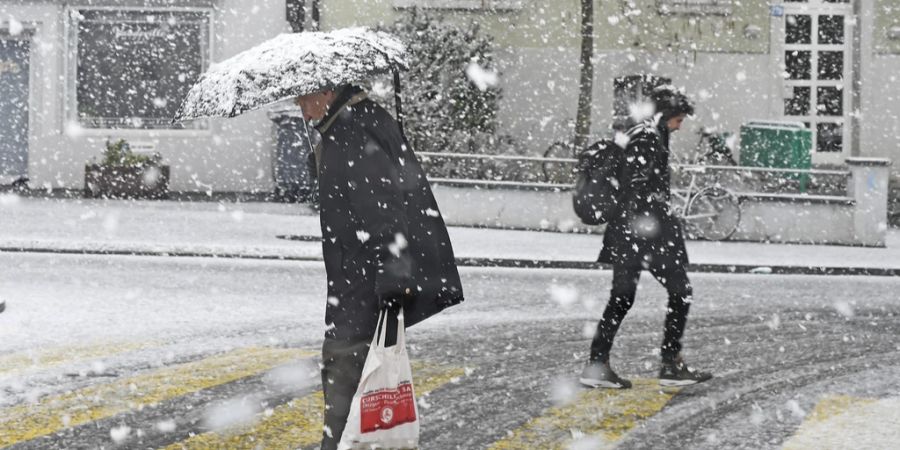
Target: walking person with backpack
x,y
642,234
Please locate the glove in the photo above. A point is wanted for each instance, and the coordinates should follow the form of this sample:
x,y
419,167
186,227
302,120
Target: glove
x,y
395,302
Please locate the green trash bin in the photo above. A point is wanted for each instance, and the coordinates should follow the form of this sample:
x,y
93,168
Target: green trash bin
x,y
783,145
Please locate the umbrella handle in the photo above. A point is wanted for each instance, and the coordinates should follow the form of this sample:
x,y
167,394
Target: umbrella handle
x,y
398,107
398,103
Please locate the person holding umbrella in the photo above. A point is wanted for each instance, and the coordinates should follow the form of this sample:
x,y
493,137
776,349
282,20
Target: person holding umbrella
x,y
645,236
384,241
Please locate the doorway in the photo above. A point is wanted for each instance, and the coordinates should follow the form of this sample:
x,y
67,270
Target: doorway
x,y
814,49
14,103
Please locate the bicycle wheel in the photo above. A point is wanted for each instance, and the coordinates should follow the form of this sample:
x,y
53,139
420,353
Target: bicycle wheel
x,y
713,214
556,172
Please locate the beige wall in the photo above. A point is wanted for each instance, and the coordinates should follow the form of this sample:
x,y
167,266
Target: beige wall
x,y
538,60
642,27
887,16
543,24
714,57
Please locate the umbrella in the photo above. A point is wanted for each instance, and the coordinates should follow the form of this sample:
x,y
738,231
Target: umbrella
x,y
290,65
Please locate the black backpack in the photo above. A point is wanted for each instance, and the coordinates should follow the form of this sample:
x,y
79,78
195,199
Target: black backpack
x,y
597,189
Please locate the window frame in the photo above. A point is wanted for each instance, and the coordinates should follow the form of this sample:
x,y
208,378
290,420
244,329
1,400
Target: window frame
x,y
200,127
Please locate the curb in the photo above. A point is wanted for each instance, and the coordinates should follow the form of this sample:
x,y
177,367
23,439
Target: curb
x,y
490,262
696,268
173,254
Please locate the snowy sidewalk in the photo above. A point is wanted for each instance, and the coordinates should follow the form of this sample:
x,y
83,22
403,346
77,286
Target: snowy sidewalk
x,y
258,230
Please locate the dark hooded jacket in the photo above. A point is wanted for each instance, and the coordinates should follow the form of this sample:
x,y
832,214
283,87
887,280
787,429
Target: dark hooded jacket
x,y
644,232
384,238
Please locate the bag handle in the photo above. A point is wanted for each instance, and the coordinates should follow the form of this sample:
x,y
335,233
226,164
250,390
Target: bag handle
x,y
401,332
382,330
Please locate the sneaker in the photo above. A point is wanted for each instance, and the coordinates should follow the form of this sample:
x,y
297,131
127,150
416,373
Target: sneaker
x,y
600,374
677,373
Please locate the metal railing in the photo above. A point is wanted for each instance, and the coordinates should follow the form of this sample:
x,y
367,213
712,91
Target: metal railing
x,y
746,181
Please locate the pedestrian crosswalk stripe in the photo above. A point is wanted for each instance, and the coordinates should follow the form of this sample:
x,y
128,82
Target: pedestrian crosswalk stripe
x,y
602,415
54,413
299,422
840,421
24,362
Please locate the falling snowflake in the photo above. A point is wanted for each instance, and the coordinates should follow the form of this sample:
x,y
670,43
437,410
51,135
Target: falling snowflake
x,y
120,434
563,295
481,77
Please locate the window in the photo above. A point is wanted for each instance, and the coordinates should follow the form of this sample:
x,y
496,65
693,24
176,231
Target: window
x,y
459,4
798,29
133,67
696,7
798,103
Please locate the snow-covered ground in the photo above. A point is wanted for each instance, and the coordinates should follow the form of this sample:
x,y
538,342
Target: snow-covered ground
x,y
793,355
782,347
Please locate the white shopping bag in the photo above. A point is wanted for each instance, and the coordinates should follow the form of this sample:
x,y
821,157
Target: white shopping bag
x,y
383,413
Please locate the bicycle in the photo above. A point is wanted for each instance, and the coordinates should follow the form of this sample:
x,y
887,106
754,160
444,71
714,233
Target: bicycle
x,y
712,213
18,185
713,149
556,157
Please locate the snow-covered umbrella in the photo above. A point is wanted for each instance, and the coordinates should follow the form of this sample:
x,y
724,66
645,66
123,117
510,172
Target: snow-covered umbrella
x,y
290,65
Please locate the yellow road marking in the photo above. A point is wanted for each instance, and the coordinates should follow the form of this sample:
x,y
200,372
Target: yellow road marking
x,y
51,414
299,422
840,421
831,406
22,362
604,415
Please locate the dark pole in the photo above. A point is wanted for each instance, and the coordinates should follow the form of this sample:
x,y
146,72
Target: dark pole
x,y
315,15
296,14
586,82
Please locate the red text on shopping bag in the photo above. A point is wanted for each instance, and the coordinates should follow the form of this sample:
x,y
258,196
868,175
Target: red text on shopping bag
x,y
386,408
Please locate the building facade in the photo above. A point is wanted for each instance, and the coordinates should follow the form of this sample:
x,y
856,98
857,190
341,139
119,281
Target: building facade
x,y
829,64
78,73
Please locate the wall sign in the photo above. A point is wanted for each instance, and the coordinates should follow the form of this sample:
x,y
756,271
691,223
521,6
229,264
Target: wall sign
x,y
696,7
134,67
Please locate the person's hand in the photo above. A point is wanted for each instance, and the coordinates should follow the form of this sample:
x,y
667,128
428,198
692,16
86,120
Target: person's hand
x,y
394,303
391,304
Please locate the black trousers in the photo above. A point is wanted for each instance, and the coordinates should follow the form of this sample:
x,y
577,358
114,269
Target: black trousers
x,y
342,366
624,286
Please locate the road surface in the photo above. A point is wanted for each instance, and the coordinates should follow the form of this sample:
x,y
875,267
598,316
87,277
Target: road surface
x,y
155,352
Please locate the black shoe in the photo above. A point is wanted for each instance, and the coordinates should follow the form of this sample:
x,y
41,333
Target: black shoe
x,y
599,374
677,373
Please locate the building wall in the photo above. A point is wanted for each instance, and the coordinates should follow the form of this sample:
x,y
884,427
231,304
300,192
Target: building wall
x,y
886,16
716,58
539,49
880,74
726,61
231,155
642,26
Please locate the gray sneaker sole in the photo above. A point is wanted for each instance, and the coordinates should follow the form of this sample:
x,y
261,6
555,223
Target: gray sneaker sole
x,y
600,383
664,382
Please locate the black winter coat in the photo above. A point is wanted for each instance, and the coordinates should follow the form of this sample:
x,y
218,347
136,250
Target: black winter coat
x,y
645,232
383,235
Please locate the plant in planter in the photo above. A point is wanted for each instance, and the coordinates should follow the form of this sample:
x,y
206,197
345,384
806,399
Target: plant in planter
x,y
124,174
